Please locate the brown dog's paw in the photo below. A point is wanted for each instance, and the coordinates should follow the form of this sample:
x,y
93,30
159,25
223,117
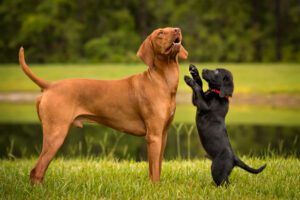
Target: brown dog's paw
x,y
34,180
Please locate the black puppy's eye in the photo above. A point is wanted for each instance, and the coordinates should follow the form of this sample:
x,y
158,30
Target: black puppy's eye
x,y
225,78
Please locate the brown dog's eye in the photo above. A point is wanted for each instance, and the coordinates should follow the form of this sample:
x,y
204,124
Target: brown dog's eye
x,y
160,33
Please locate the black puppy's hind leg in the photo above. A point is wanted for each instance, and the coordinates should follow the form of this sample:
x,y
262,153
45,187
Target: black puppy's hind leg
x,y
221,169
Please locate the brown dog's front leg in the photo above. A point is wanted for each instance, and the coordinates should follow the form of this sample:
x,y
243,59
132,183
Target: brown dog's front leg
x,y
154,147
163,145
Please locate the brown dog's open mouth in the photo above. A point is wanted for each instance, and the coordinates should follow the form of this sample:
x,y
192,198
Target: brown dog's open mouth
x,y
176,42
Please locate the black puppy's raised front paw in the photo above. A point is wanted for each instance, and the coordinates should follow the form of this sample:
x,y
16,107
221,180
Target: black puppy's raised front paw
x,y
192,83
193,70
195,74
188,80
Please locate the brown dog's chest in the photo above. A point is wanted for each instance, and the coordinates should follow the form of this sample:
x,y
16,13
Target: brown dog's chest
x,y
172,108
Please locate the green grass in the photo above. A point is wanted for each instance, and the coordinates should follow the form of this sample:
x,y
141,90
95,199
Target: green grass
x,y
18,113
104,179
248,78
25,113
260,115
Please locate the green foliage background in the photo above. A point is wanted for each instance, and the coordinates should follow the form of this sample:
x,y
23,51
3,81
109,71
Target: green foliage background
x,y
111,31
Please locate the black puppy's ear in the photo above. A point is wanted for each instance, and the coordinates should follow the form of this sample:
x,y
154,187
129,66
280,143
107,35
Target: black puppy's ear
x,y
226,89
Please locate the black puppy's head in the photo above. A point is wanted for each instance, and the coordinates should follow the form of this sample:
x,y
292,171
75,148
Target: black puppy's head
x,y
220,79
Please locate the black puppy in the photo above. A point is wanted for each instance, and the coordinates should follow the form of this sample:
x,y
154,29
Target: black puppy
x,y
212,107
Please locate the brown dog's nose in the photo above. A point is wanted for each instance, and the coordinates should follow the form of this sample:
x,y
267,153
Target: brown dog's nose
x,y
177,30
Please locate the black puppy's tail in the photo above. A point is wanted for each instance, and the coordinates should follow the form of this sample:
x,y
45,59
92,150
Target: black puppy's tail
x,y
242,165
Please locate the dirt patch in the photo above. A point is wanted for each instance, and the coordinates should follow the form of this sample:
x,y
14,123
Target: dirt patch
x,y
18,97
273,100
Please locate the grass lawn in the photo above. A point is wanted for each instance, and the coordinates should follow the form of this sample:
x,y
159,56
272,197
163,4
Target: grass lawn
x,y
259,115
248,78
104,179
24,113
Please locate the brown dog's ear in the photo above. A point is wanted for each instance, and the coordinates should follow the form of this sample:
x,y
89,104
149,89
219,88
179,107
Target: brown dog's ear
x,y
145,52
226,89
183,54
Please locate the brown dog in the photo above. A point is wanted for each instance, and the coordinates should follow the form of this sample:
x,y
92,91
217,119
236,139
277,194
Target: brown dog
x,y
141,105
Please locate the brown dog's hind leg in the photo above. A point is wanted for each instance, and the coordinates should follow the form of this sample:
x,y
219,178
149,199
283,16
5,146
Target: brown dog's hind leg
x,y
53,138
37,104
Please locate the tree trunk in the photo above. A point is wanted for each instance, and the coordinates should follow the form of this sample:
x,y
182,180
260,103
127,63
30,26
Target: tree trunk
x,y
278,31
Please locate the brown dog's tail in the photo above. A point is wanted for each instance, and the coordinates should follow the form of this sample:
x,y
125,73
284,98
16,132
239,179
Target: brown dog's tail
x,y
40,82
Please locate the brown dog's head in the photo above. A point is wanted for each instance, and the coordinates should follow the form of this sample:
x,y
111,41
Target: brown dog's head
x,y
165,42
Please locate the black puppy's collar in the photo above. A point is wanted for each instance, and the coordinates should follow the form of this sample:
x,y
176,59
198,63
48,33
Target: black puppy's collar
x,y
218,92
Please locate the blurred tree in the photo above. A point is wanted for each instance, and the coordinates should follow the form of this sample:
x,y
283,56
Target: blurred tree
x,y
111,31
52,32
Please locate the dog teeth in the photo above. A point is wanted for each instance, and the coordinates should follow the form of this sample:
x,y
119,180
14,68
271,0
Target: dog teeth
x,y
176,43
